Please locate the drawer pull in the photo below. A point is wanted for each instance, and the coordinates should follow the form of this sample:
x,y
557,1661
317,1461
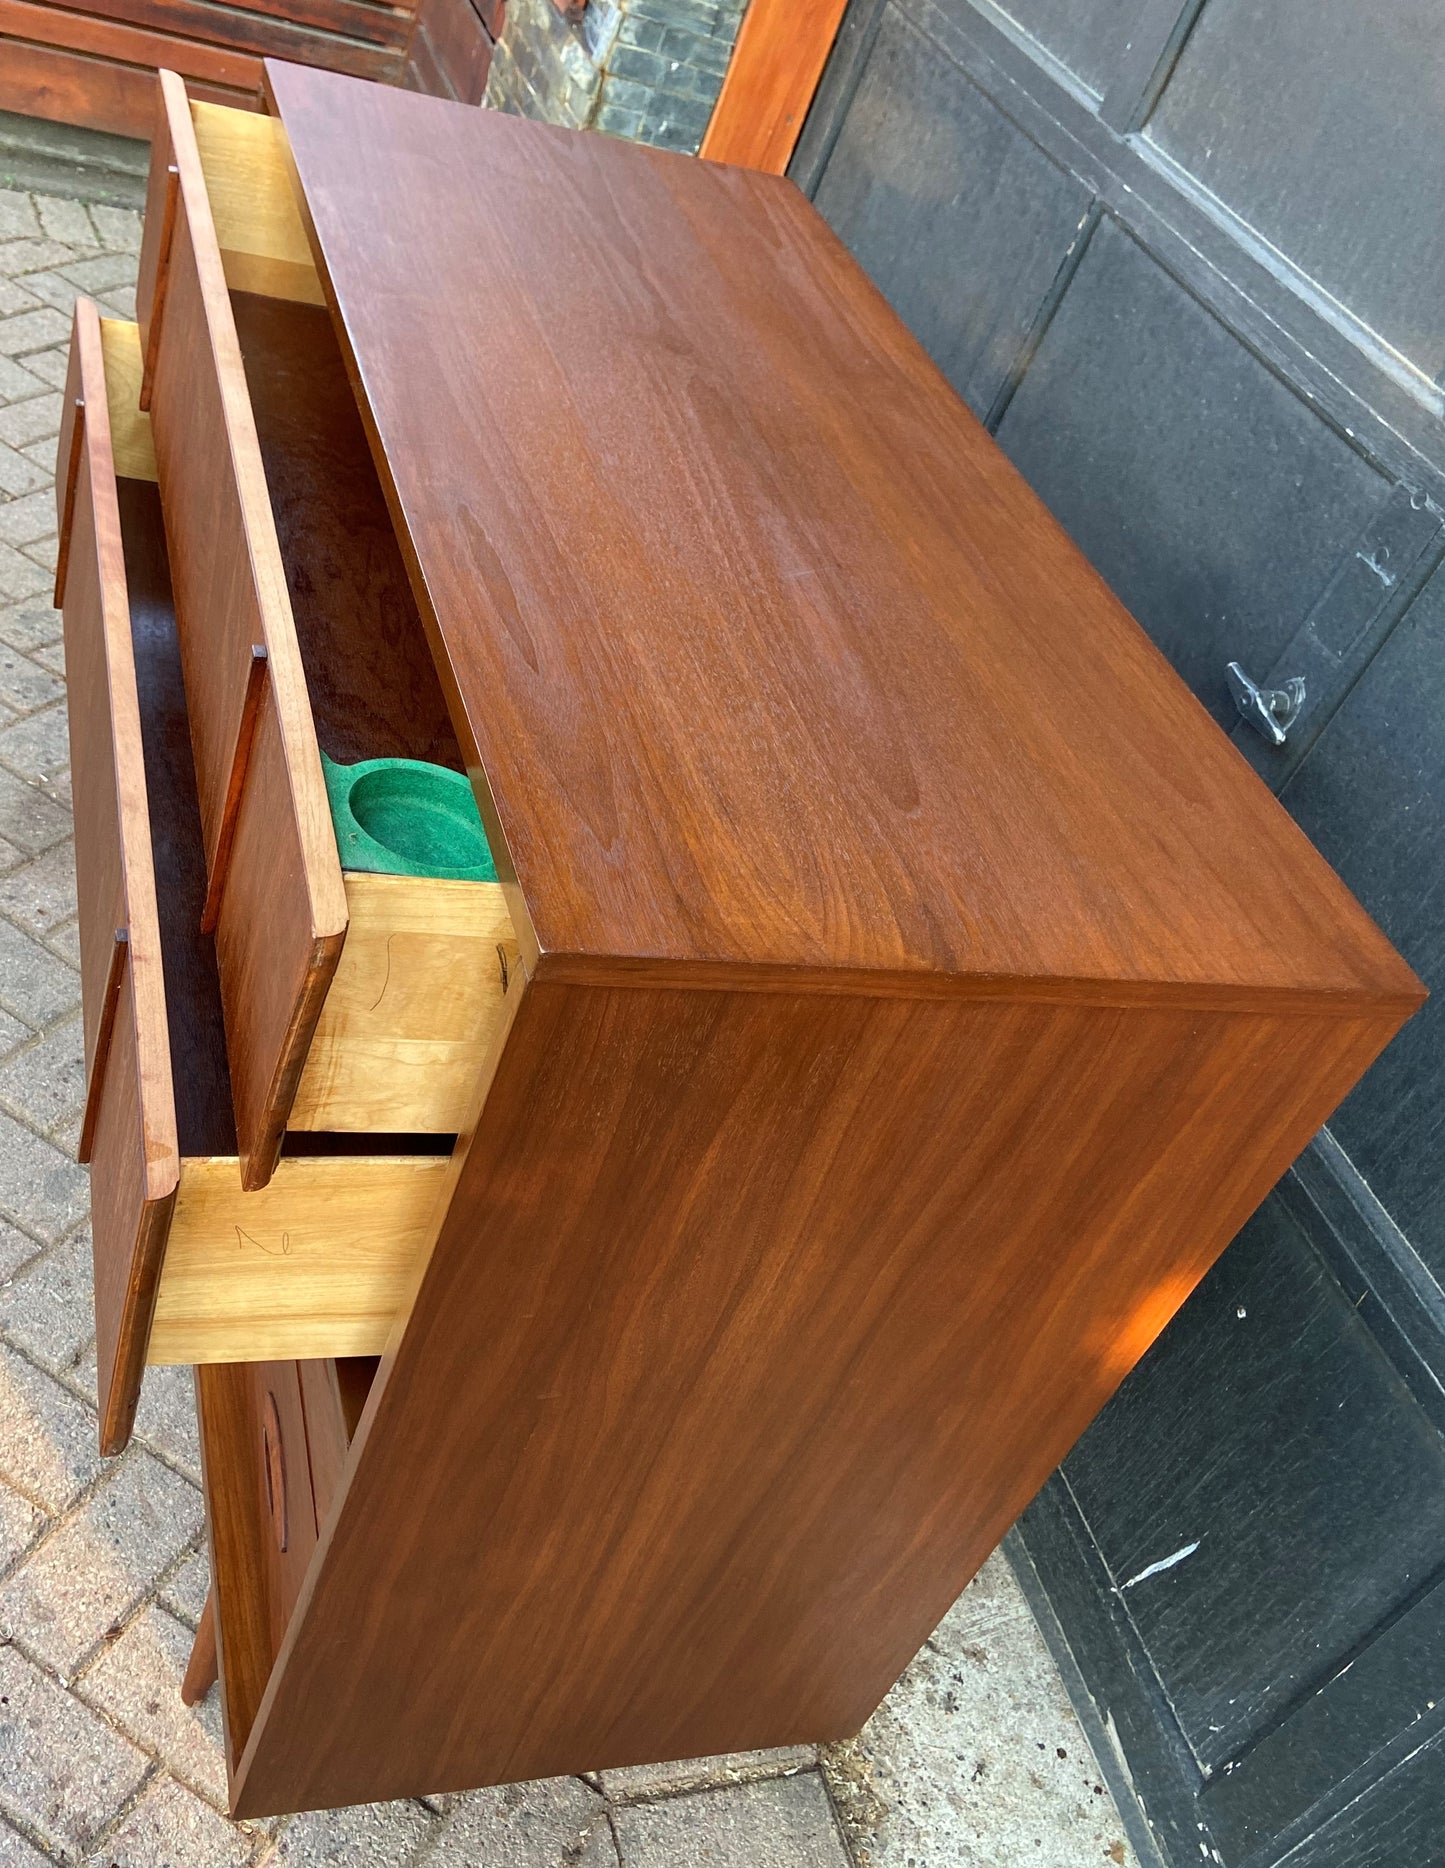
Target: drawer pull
x,y
72,481
274,1460
163,270
104,1031
235,785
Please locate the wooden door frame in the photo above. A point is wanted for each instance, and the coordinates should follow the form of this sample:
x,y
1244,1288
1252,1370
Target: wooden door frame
x,y
771,81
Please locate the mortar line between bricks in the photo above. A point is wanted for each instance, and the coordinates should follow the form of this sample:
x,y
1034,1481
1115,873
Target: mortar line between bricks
x,y
39,940
81,1392
28,1833
41,1245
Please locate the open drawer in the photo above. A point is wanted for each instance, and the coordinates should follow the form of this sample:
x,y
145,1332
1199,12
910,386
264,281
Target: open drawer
x,y
360,1001
189,1267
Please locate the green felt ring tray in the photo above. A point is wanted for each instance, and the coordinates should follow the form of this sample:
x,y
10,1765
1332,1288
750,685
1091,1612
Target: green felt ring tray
x,y
402,817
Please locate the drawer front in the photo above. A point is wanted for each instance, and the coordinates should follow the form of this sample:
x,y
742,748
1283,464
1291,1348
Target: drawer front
x,y
261,1519
129,1129
275,897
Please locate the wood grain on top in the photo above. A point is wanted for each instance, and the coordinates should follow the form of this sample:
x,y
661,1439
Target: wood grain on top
x,y
762,654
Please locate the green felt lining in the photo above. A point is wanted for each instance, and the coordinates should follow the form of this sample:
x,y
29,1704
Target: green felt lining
x,y
401,817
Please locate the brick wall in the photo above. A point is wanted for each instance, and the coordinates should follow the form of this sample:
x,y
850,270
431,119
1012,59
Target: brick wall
x,y
649,70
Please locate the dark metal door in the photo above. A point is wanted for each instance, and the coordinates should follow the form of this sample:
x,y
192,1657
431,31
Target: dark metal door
x,y
1188,263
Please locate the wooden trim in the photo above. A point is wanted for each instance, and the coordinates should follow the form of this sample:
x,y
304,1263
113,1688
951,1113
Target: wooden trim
x,y
201,1668
170,206
776,67
75,416
240,760
104,1032
316,1263
84,32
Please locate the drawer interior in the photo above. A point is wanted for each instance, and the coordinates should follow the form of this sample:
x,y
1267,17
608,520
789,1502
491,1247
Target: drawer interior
x,y
405,1021
318,1261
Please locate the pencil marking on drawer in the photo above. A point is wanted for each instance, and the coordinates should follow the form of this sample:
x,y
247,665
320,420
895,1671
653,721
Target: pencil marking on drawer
x,y
244,1238
386,980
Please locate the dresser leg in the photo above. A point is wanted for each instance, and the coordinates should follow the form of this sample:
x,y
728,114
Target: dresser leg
x,y
201,1668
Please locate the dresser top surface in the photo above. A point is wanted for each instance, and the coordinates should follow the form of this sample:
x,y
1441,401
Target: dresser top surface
x,y
768,658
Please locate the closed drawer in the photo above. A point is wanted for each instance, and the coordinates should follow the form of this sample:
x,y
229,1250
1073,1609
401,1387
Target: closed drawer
x,y
190,1266
299,637
274,1441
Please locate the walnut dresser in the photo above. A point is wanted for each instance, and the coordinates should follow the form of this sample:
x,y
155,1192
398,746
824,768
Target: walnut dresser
x,y
630,1296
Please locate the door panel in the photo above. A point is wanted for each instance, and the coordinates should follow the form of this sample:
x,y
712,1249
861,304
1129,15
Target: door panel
x,y
1372,797
1087,37
1277,1473
1212,499
925,168
1174,301
1318,123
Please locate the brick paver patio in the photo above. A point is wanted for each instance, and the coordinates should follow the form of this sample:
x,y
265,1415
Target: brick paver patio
x,y
975,1758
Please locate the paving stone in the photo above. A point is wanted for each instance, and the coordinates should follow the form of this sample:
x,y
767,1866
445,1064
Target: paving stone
x,y
103,272
20,1525
28,819
30,625
20,576
781,1822
41,895
53,289
38,749
94,1570
42,453
119,304
51,366
47,1309
37,418
22,256
526,1826
41,1190
63,1772
32,330
976,1757
185,1590
16,1247
34,985
16,1852
119,228
23,685
166,1418
49,1444
383,1835
171,1828
46,1081
64,942
51,656
17,215
22,521
46,553
18,475
12,1032
65,220
136,1682
738,1767
16,297
18,380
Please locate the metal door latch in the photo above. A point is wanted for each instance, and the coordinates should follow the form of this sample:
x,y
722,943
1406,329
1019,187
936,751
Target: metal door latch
x,y
1270,711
